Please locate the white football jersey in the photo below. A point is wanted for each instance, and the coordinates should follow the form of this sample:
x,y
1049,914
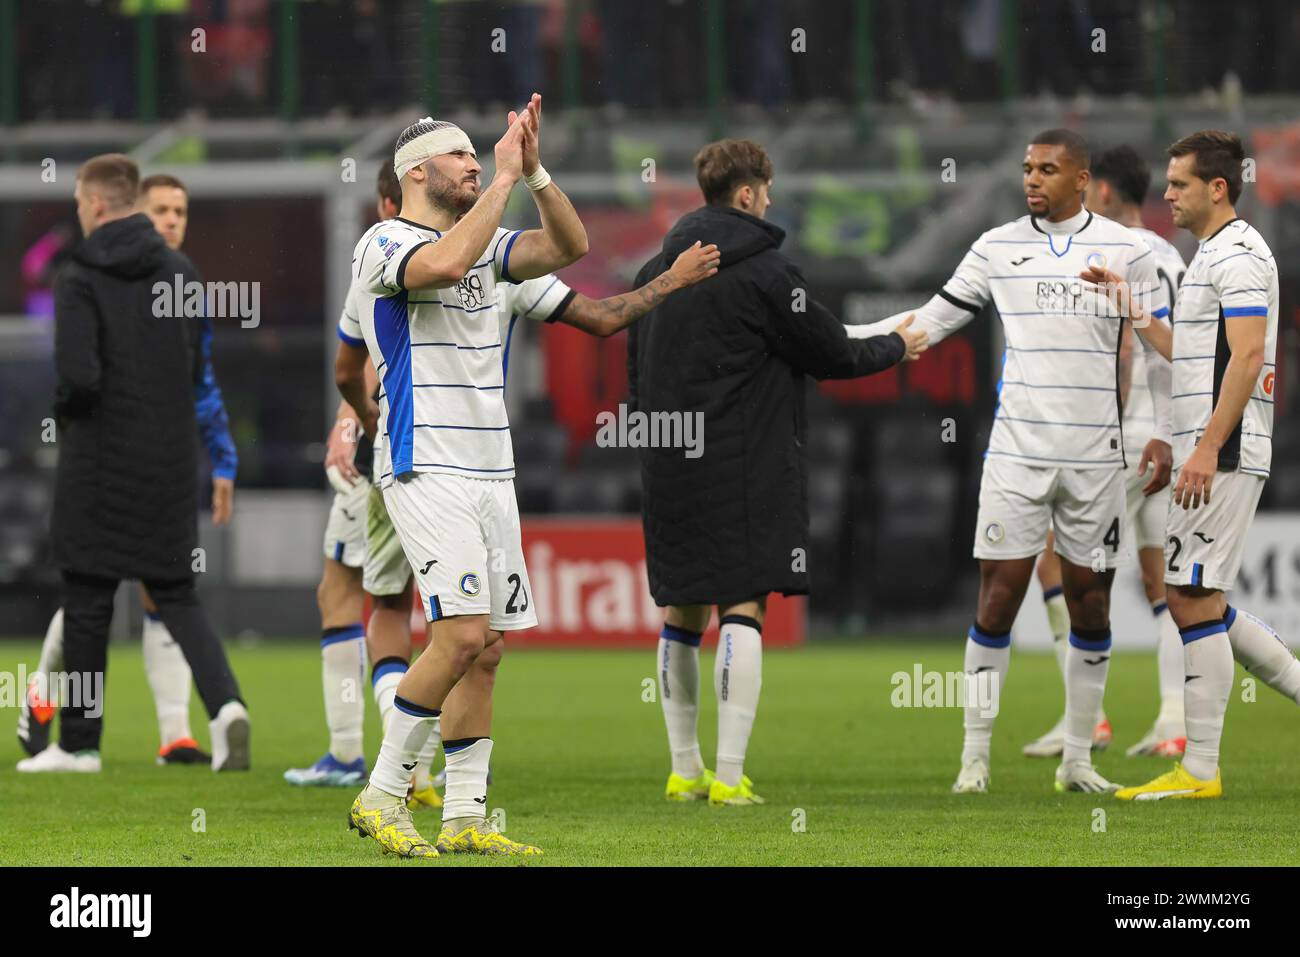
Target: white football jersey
x,y
1232,274
1139,412
441,354
1058,401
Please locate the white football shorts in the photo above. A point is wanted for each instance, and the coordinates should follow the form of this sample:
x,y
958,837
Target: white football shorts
x,y
345,530
461,537
1019,503
1204,546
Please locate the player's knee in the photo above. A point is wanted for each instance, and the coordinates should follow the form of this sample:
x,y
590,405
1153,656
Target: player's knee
x,y
1187,604
490,658
998,607
464,641
1153,584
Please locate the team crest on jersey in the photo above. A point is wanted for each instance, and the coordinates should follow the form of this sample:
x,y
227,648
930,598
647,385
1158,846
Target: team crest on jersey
x,y
1096,260
994,533
469,584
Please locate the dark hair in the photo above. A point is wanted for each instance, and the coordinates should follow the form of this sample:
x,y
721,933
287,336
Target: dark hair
x,y
1125,169
1219,155
162,179
115,176
726,165
388,186
1076,147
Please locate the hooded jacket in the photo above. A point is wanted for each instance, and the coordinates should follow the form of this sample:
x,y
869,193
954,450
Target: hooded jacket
x,y
724,520
126,490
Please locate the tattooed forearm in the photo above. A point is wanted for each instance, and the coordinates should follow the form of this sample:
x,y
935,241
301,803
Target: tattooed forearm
x,y
604,317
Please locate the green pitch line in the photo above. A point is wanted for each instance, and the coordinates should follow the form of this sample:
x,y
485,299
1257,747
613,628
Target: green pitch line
x,y
581,759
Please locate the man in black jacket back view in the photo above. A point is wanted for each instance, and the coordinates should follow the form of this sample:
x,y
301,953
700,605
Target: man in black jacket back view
x,y
726,521
126,491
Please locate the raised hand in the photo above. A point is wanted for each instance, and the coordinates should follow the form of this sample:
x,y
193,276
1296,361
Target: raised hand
x,y
532,117
509,150
694,264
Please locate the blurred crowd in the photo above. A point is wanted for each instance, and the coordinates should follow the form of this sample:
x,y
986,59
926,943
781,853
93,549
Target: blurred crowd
x,y
229,57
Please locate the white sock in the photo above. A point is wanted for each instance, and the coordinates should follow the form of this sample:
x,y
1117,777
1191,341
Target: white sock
x,y
409,727
427,756
467,771
987,654
1087,662
52,648
169,679
737,679
343,671
679,694
1263,653
51,655
1207,660
384,679
1058,620
1169,661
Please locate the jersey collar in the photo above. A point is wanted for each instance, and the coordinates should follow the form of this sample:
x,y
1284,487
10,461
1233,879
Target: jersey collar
x,y
1075,224
411,222
1220,229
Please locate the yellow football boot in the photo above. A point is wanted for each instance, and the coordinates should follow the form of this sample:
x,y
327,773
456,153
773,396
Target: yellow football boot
x,y
689,789
380,815
1175,784
480,836
426,797
720,795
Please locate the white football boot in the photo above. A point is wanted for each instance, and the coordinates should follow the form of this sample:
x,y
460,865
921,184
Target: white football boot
x,y
54,758
230,732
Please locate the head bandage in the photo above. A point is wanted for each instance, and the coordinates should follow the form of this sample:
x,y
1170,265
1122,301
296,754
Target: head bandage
x,y
426,139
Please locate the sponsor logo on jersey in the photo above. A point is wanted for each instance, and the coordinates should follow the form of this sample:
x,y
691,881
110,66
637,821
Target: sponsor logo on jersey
x,y
1269,381
1021,261
469,584
1061,296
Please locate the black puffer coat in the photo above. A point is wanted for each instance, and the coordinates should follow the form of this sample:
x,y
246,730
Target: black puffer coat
x,y
126,495
737,348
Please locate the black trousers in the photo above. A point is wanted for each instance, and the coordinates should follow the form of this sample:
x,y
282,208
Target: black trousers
x,y
87,614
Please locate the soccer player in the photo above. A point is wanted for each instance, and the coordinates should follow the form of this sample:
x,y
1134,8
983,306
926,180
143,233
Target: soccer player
x,y
467,711
446,466
1223,345
165,200
1120,180
339,595
1055,452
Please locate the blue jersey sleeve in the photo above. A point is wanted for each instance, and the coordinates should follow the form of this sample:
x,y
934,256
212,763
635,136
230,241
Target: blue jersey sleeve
x,y
214,426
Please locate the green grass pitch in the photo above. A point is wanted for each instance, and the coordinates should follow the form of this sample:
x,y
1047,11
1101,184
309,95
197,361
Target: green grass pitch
x,y
581,759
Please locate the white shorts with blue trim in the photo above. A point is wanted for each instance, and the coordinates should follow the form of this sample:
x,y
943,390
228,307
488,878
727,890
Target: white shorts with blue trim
x,y
462,539
1019,503
1204,546
345,531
